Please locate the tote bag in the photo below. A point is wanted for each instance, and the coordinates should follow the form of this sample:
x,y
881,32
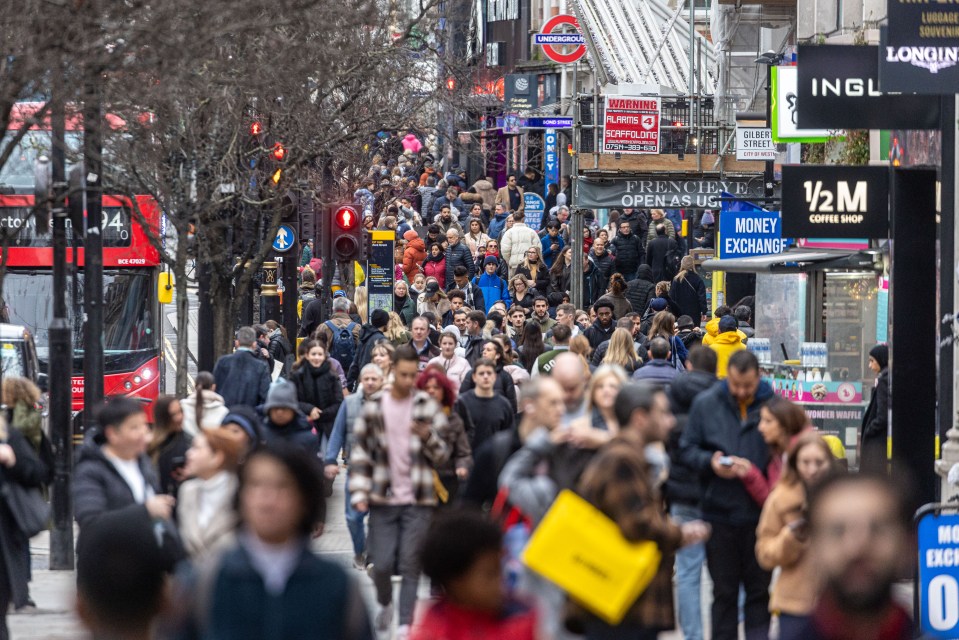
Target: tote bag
x,y
583,552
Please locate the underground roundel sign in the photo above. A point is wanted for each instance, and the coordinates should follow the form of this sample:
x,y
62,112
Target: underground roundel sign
x,y
554,43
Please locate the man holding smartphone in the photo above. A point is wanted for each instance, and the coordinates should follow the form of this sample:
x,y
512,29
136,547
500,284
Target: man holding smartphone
x,y
723,426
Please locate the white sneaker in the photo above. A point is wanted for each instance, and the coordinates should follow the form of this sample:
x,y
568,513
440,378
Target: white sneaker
x,y
359,562
402,632
384,618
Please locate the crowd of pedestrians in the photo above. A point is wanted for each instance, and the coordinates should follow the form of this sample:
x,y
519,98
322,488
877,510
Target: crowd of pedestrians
x,y
459,415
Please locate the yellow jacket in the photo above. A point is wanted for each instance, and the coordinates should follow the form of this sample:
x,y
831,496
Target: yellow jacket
x,y
725,345
712,330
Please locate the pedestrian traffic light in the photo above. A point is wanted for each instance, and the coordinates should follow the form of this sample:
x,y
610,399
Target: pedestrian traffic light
x,y
347,232
278,153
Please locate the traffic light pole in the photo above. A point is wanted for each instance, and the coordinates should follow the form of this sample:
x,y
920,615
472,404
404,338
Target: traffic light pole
x,y
60,361
93,254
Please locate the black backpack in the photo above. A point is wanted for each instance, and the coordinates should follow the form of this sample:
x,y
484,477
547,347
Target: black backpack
x,y
674,258
343,345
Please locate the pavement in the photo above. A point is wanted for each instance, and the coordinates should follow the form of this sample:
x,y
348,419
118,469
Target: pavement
x,y
54,591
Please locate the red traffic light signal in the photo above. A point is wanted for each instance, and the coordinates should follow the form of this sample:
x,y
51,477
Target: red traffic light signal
x,y
347,218
256,128
346,233
278,152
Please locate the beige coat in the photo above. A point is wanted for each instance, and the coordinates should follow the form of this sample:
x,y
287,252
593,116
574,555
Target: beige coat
x,y
502,197
796,590
219,532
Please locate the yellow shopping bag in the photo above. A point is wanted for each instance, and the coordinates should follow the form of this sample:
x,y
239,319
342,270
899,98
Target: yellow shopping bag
x,y
582,551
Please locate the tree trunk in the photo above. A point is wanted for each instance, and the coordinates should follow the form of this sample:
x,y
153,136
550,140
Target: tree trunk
x,y
182,317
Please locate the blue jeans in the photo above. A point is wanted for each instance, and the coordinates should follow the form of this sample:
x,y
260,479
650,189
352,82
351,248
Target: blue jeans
x,y
689,573
354,523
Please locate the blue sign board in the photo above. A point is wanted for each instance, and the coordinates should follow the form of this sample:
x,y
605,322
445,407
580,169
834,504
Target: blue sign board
x,y
533,208
511,123
550,160
541,39
554,122
285,238
938,542
747,230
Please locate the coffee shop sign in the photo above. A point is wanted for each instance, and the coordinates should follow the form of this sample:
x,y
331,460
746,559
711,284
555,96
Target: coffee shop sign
x,y
668,194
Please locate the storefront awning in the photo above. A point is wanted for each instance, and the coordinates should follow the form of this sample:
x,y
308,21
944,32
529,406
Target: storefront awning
x,y
800,261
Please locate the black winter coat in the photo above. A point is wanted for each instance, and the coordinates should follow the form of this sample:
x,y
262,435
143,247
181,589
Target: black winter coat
x,y
689,296
638,223
369,336
503,386
242,378
875,425
641,290
629,254
311,319
28,471
597,335
715,425
319,388
541,282
298,433
656,251
682,486
457,255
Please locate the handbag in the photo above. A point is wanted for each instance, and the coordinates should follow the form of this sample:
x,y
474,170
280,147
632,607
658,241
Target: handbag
x,y
30,511
583,552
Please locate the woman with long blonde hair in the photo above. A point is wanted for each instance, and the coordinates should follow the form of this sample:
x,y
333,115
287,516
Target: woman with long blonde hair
x,y
360,300
622,351
396,331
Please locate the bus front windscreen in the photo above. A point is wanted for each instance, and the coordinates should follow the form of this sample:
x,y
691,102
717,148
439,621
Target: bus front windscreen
x,y
128,313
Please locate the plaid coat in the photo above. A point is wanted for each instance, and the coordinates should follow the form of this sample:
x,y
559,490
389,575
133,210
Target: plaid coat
x,y
370,455
618,482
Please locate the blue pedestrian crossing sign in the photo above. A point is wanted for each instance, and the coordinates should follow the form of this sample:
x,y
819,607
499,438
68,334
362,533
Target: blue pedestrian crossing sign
x,y
285,238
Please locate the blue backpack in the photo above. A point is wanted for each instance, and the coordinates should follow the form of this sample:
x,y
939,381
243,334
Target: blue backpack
x,y
343,346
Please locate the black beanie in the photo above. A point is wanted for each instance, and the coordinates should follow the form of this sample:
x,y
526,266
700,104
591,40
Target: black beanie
x,y
881,353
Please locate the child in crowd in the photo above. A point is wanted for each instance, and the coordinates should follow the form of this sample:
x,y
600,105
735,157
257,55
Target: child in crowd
x,y
464,560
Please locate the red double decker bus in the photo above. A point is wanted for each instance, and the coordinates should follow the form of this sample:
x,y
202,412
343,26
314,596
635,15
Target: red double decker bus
x,y
132,317
131,311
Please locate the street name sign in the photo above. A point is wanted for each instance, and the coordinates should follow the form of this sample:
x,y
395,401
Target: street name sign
x,y
831,201
755,143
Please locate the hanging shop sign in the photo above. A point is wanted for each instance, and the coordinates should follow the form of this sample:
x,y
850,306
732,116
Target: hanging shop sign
x,y
755,143
921,65
830,201
631,125
550,160
925,24
785,109
520,92
558,33
653,191
839,87
747,230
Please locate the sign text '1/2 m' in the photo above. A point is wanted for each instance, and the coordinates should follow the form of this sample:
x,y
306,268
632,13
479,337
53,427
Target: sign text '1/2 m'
x,y
852,200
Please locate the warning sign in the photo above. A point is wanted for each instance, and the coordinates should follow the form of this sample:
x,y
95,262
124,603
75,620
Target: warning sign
x,y
631,125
